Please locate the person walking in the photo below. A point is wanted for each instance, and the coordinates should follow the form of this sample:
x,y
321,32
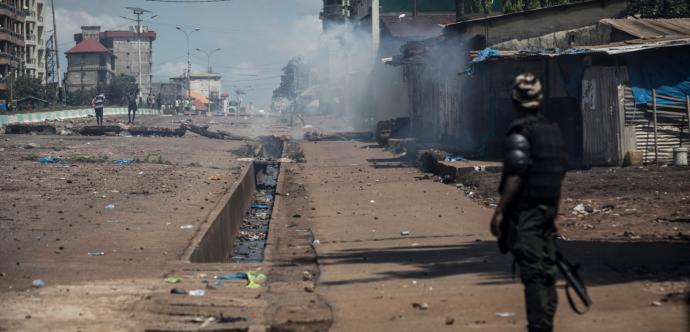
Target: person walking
x,y
132,106
524,220
98,102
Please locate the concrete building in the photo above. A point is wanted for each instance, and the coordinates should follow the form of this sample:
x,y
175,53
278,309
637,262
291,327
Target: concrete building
x,y
130,50
12,30
89,66
205,84
34,41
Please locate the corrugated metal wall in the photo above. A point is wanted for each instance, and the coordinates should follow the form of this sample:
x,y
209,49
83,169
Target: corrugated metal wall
x,y
601,130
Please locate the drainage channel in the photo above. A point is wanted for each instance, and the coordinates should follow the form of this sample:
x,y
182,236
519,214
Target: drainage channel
x,y
251,240
238,227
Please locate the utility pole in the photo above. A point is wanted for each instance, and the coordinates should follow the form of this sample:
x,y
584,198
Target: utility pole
x,y
208,77
189,61
57,55
375,27
138,12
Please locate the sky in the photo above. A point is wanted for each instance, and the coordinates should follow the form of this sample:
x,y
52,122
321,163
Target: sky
x,y
256,37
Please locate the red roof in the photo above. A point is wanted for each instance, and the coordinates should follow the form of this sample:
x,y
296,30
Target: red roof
x,y
90,45
127,34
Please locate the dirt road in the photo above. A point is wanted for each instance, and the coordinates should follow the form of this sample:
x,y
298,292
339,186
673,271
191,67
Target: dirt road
x,y
447,274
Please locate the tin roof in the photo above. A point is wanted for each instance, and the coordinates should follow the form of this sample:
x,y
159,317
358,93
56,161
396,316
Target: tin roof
x,y
651,28
418,26
610,49
90,45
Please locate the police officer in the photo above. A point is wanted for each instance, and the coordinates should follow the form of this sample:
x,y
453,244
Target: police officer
x,y
524,221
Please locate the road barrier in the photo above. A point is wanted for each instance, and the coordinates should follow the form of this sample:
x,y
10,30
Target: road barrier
x,y
68,114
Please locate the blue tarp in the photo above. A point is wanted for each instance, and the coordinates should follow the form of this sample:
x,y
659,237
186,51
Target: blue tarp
x,y
485,54
669,74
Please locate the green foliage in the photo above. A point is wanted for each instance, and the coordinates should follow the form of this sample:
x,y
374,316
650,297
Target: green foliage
x,y
294,79
659,8
116,93
32,87
121,88
81,97
512,6
88,159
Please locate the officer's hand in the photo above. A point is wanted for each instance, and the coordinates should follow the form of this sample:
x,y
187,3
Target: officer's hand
x,y
496,223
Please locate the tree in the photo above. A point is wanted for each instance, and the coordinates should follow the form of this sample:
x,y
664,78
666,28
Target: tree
x,y
32,87
512,6
121,88
294,79
659,8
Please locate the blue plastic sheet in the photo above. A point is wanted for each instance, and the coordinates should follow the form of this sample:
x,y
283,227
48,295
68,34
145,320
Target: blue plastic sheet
x,y
125,161
259,206
50,160
670,77
485,54
233,276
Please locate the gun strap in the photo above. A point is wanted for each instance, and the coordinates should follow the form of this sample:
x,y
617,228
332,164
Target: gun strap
x,y
572,302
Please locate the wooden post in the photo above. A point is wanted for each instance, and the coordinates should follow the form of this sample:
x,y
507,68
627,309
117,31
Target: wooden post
x,y
656,145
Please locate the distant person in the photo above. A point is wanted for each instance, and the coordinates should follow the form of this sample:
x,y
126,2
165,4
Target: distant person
x,y
524,221
98,102
177,106
132,106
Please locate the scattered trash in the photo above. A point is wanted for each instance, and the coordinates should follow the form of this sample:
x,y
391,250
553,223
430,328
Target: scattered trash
x,y
372,201
31,146
405,233
110,206
96,253
178,291
255,278
655,304
259,206
420,306
285,160
50,160
172,280
505,314
38,283
297,215
245,159
124,161
214,178
125,134
197,292
315,243
187,226
450,320
141,173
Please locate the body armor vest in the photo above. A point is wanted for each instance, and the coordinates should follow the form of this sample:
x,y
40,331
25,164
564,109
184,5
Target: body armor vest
x,y
542,180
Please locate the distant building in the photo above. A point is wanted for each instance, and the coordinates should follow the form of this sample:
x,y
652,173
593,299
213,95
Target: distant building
x,y
203,84
206,84
34,42
12,18
89,66
129,48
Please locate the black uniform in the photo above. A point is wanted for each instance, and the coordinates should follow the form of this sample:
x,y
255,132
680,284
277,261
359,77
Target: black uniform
x,y
534,151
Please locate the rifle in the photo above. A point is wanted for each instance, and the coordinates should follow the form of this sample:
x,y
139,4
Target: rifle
x,y
572,277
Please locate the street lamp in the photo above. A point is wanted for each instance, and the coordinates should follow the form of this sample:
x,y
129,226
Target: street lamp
x,y
208,56
189,62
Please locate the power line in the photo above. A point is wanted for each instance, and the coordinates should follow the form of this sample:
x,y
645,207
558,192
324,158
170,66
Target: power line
x,y
189,1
